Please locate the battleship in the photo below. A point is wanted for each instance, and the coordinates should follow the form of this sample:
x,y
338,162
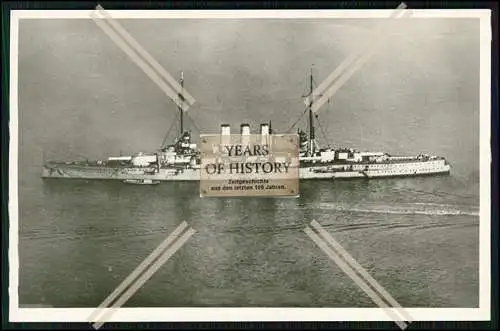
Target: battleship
x,y
181,161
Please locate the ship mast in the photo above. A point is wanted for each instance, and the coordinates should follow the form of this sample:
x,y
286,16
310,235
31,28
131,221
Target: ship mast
x,y
181,111
311,118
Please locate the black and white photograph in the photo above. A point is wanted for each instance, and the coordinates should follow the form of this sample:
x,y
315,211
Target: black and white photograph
x,y
391,198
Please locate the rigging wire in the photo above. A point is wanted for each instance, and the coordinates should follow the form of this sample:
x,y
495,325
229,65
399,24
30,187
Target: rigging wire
x,y
298,120
307,94
168,133
306,88
321,128
319,122
193,123
324,134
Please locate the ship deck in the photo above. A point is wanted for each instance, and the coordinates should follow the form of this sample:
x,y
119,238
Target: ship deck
x,y
303,164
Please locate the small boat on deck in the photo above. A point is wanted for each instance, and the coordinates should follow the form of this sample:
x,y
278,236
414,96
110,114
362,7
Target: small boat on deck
x,y
141,181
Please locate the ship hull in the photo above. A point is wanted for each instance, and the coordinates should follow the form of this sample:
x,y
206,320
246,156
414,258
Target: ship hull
x,y
356,171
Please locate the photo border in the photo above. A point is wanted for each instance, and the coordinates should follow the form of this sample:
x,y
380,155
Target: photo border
x,y
17,314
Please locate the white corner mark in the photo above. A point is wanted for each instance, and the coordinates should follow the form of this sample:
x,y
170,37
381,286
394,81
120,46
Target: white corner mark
x,y
352,63
350,266
141,274
142,58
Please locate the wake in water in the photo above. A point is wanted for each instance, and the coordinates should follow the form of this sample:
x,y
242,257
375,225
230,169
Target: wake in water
x,y
419,208
416,208
339,223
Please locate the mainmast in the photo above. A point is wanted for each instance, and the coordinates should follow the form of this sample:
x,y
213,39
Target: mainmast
x,y
311,117
181,111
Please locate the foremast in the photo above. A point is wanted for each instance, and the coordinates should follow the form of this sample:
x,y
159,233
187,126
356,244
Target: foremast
x,y
181,145
181,111
311,146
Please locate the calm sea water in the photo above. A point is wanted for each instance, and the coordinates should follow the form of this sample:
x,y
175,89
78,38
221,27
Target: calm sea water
x,y
417,237
79,96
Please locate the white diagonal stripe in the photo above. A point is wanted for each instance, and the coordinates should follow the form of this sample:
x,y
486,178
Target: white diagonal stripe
x,y
344,76
140,62
348,74
140,269
322,87
348,271
356,266
139,49
144,277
